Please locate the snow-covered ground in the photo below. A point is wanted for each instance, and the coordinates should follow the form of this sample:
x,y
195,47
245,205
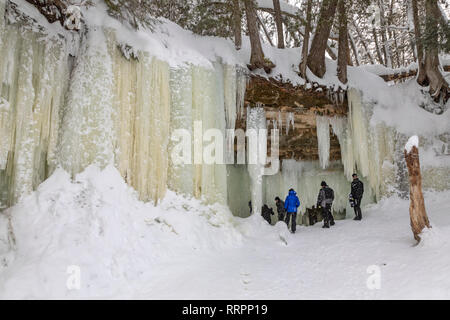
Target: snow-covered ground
x,y
181,249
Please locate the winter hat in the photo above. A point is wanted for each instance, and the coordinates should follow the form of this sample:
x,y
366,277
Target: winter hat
x,y
323,184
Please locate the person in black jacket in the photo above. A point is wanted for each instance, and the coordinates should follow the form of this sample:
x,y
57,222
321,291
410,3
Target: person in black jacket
x,y
357,194
266,213
280,209
325,201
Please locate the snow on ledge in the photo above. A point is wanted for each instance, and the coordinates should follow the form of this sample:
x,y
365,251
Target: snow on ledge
x,y
412,142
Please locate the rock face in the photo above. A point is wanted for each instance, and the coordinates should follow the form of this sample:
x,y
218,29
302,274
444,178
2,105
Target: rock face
x,y
283,101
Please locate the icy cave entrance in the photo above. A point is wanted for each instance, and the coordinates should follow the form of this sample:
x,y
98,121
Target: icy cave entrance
x,y
304,177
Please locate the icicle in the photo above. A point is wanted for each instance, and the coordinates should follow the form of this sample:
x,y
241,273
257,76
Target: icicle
x,y
340,129
280,121
231,95
256,120
323,138
241,87
290,121
341,97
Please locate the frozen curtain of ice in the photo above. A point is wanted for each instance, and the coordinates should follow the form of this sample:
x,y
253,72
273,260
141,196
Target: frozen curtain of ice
x,y
100,108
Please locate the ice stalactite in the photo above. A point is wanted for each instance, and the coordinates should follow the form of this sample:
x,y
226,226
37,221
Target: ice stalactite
x,y
323,138
359,124
257,152
280,122
241,87
341,130
373,145
230,85
33,75
290,122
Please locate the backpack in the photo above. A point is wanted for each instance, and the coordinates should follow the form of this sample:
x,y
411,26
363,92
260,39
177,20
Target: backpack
x,y
329,193
351,200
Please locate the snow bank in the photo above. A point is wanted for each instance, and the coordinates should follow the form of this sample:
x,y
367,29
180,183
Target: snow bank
x,y
95,222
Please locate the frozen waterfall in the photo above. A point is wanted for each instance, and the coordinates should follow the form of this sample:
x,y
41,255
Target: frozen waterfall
x,y
101,108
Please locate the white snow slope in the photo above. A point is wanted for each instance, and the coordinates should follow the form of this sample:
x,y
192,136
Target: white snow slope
x,y
185,250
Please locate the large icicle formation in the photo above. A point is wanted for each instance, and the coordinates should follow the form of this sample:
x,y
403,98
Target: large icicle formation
x,y
323,139
73,108
33,78
102,108
257,152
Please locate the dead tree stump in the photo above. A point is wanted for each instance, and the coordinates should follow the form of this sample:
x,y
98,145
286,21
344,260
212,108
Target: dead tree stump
x,y
417,212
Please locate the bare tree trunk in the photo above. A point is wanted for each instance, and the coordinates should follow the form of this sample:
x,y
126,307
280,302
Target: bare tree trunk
x,y
363,42
377,46
343,43
417,212
387,52
354,50
331,53
305,48
421,78
279,23
316,58
439,87
412,39
257,55
237,25
263,26
393,34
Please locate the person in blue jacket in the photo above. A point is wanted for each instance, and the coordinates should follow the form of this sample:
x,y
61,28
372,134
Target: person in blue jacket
x,y
291,205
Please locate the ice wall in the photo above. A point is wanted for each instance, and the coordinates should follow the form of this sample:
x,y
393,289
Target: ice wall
x,y
33,77
88,135
100,107
141,91
378,152
211,99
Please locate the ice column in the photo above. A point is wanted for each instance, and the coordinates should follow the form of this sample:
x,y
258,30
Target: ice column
x,y
341,130
257,152
323,138
88,136
180,177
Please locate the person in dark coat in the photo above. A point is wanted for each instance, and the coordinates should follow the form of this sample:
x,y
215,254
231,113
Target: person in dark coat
x,y
325,201
266,213
357,194
291,205
280,209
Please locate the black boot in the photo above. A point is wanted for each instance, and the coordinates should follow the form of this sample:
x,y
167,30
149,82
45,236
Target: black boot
x,y
332,223
325,226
